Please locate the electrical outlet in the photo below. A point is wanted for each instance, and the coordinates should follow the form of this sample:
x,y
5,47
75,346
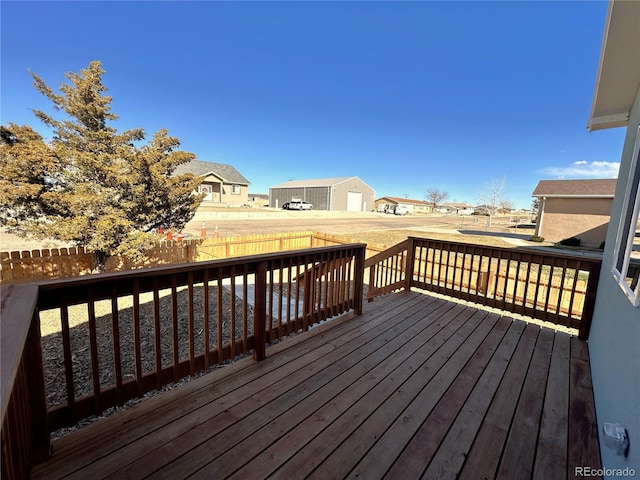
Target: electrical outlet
x,y
616,438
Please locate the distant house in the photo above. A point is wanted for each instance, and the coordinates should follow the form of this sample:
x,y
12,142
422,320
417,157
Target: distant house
x,y
456,208
385,204
334,194
222,184
575,208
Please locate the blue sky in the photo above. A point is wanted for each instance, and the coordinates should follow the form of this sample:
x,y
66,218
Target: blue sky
x,y
405,95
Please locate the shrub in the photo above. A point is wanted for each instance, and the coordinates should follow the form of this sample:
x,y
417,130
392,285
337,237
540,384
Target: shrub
x,y
570,242
537,238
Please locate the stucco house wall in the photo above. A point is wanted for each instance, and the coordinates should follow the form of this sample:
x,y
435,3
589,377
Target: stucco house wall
x,y
583,218
614,339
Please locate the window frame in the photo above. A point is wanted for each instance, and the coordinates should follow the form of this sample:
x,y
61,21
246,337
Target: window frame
x,y
627,226
236,189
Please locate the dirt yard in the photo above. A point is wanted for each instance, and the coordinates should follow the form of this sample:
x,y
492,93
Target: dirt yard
x,y
373,227
361,226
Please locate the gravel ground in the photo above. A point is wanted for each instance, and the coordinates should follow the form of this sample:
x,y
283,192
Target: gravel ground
x,y
81,355
79,334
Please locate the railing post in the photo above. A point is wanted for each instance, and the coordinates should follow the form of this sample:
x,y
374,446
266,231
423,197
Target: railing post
x,y
358,280
308,297
41,446
410,261
260,312
372,281
590,301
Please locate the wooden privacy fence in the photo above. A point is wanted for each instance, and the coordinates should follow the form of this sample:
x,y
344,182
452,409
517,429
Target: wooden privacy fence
x,y
226,247
552,287
31,265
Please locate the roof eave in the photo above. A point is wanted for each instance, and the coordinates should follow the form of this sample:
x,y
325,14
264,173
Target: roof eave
x,y
552,195
618,77
224,180
608,121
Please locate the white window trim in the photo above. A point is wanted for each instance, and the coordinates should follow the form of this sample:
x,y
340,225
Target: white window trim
x,y
236,189
624,246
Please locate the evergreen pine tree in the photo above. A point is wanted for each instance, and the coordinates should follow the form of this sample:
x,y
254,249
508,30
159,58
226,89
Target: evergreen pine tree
x,y
91,185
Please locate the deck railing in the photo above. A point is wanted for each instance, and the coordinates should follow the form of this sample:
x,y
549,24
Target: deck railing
x,y
119,336
77,347
548,286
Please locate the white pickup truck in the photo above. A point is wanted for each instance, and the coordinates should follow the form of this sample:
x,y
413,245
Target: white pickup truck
x,y
299,205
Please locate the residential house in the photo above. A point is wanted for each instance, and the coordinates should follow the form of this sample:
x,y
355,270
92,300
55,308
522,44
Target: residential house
x,y
386,204
574,208
222,184
334,194
614,341
456,208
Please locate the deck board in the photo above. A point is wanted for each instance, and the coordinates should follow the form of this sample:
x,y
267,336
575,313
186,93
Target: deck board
x,y
487,448
453,450
519,452
551,455
416,387
423,398
421,448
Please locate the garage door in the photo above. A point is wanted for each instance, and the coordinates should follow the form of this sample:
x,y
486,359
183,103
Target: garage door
x,y
354,201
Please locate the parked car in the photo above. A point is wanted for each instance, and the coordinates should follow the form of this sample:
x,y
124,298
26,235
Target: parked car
x,y
299,205
285,206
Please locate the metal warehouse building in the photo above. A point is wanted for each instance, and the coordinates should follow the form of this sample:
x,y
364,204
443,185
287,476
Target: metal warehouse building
x,y
336,194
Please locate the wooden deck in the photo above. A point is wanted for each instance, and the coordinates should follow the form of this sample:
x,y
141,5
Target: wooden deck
x,y
416,387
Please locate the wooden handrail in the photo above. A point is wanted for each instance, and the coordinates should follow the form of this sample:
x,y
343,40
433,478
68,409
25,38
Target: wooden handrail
x,y
554,287
274,307
388,253
25,433
18,308
333,285
387,270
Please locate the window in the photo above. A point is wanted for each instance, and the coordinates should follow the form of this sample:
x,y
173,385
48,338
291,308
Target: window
x,y
235,189
626,255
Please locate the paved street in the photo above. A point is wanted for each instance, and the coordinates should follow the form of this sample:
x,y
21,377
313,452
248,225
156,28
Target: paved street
x,y
338,223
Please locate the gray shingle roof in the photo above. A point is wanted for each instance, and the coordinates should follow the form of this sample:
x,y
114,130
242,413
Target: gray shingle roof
x,y
226,172
408,201
576,188
318,182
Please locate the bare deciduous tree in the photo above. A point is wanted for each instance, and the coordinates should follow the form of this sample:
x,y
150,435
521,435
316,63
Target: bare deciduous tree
x,y
506,206
436,196
492,196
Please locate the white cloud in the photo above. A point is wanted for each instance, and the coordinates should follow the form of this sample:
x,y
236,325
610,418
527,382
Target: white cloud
x,y
584,169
